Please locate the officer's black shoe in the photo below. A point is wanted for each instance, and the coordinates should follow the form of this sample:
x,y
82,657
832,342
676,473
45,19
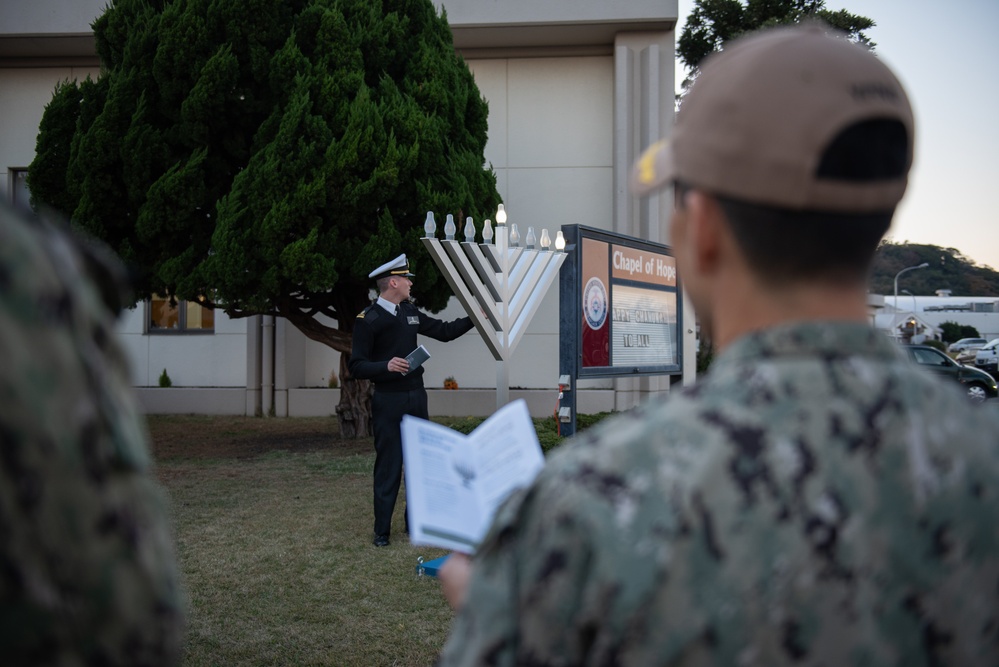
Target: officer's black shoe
x,y
381,541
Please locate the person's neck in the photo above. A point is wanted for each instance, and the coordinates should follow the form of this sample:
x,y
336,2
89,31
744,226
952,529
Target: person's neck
x,y
747,307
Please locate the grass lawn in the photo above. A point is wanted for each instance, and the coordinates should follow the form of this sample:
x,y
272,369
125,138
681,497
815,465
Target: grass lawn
x,y
273,524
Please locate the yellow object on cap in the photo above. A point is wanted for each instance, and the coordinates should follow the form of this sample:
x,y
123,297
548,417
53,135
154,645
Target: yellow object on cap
x,y
396,267
761,113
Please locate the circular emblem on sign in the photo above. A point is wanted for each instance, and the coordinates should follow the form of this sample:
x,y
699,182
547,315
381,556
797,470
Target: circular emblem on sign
x,y
595,303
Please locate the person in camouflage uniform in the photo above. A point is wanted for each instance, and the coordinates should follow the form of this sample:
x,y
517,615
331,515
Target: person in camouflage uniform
x,y
815,499
88,574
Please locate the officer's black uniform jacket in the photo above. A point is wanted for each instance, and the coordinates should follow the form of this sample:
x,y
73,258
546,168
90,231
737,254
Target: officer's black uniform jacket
x,y
379,336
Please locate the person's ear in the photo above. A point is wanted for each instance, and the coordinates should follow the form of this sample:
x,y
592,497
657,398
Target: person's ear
x,y
704,230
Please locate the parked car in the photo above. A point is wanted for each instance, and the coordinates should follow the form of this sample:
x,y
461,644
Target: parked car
x,y
987,358
978,384
966,356
966,344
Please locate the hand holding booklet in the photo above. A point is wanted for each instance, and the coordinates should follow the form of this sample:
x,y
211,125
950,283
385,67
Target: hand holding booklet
x,y
416,358
455,482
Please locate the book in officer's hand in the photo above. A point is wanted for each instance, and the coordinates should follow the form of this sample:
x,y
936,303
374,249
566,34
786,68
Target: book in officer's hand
x,y
456,482
416,358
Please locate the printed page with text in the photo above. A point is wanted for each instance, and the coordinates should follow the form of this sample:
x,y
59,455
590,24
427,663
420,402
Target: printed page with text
x,y
455,482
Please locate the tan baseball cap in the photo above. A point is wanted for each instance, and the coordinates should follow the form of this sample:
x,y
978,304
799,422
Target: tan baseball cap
x,y
759,117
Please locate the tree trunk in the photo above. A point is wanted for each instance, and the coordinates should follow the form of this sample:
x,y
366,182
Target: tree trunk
x,y
354,410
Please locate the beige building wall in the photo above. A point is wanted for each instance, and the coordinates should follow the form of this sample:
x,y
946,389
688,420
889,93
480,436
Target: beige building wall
x,y
53,20
24,92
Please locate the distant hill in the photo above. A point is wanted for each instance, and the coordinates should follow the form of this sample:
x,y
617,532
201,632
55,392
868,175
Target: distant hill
x,y
948,269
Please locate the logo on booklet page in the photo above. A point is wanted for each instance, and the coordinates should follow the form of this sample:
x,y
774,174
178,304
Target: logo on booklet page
x,y
595,303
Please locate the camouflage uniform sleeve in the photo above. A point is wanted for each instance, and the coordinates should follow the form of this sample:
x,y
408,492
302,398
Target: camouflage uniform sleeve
x,y
87,567
530,575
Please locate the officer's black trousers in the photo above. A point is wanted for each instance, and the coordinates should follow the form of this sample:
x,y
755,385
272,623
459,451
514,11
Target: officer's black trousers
x,y
387,409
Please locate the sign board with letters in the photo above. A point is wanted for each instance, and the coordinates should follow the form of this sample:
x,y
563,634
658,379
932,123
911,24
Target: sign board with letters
x,y
620,311
621,295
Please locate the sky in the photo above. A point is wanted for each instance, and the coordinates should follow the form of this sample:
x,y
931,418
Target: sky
x,y
947,57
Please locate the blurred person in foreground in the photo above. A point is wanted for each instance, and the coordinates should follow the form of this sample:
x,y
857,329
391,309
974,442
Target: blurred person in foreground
x,y
88,574
814,499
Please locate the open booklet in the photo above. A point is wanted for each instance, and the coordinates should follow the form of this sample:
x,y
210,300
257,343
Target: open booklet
x,y
455,482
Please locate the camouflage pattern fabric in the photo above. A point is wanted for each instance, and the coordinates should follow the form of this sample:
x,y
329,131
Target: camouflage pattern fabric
x,y
814,500
87,568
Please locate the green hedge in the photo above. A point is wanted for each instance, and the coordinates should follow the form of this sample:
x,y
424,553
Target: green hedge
x,y
546,427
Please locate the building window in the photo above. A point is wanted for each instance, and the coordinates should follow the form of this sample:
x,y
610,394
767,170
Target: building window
x,y
20,197
178,317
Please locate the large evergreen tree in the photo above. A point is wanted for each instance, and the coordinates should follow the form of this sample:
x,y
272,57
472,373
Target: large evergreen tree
x,y
713,22
261,156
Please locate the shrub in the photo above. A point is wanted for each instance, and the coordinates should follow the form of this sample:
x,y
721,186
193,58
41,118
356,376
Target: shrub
x,y
165,379
951,332
546,428
584,422
548,436
705,355
462,424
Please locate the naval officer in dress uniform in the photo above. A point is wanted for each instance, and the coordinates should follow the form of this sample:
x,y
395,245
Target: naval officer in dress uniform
x,y
384,333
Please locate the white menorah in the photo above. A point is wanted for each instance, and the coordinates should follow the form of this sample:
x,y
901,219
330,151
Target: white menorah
x,y
500,284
